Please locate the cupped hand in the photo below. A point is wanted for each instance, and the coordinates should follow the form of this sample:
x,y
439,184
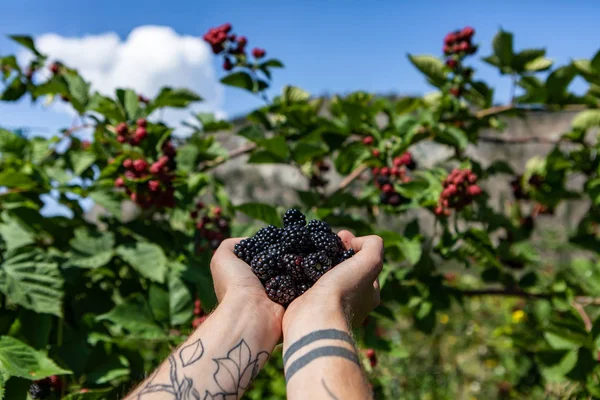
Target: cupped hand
x,y
234,278
351,287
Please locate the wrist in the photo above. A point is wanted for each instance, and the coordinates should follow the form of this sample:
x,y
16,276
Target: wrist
x,y
255,310
302,317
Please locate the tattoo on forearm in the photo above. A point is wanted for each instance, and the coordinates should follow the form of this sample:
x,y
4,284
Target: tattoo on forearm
x,y
329,392
234,373
325,351
313,337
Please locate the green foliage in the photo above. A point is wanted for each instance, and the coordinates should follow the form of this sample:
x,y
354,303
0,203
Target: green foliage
x,y
103,300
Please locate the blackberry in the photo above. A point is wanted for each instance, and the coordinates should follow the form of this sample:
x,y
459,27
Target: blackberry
x,y
303,287
39,389
265,265
281,289
292,264
382,180
315,226
293,217
248,248
345,255
316,264
268,235
295,239
328,242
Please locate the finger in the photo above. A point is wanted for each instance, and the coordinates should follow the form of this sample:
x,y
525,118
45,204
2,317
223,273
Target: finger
x,y
376,284
346,237
225,251
376,296
368,261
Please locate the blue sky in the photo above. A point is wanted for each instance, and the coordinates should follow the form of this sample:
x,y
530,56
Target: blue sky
x,y
328,46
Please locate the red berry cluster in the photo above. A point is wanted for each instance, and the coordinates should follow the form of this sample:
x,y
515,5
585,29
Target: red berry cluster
x,y
460,187
55,68
459,42
199,316
316,178
124,135
212,227
385,177
371,356
157,191
233,47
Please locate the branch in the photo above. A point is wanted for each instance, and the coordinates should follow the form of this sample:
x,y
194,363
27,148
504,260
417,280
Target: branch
x,y
494,110
517,140
505,292
350,178
586,319
247,148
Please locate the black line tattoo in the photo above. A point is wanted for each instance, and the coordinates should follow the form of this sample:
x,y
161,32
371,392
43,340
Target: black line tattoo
x,y
329,392
234,372
313,337
326,351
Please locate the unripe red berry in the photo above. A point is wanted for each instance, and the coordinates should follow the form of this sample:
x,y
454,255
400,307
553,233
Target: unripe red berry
x,y
447,49
56,382
385,171
198,321
127,163
474,190
258,53
141,133
463,46
55,68
153,185
134,197
395,171
140,165
121,139
84,390
141,122
372,357
439,210
368,140
451,63
217,211
227,64
450,38
226,27
376,153
468,31
119,182
471,178
242,41
122,128
155,168
387,188
375,171
455,91
130,175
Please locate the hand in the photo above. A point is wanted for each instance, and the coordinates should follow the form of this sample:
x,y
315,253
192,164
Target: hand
x,y
233,278
350,288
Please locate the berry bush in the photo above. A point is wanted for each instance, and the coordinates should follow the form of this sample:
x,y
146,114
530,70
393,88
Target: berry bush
x,y
474,300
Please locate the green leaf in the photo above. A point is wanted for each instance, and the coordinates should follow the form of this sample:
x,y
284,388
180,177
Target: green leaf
x,y
78,91
306,151
539,64
14,234
503,47
12,179
525,56
158,299
27,42
134,315
32,281
452,136
595,62
253,133
19,360
106,106
146,258
264,157
131,104
92,249
411,249
181,302
92,394
108,200
293,94
82,160
12,143
350,157
585,365
431,66
277,146
272,63
262,212
176,98
557,83
14,91
239,79
112,368
586,119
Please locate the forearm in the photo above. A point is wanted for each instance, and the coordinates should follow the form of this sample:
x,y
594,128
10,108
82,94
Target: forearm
x,y
220,358
320,358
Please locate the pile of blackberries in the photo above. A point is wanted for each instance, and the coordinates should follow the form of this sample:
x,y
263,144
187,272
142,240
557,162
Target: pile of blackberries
x,y
289,260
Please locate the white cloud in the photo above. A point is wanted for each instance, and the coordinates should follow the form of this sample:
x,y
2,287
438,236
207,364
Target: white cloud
x,y
149,58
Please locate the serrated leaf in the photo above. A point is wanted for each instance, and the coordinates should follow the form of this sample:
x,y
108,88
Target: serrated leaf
x,y
539,64
131,104
78,91
134,315
32,281
240,79
503,47
106,106
14,234
262,212
27,42
452,136
176,98
14,91
431,66
91,249
108,200
293,94
277,146
253,133
181,301
82,160
110,369
411,249
350,157
146,258
19,360
306,151
586,119
272,63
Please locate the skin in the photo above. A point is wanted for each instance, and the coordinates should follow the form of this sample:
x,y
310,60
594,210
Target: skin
x,y
222,355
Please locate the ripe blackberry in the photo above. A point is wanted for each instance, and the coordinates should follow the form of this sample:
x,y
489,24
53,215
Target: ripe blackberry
x,y
268,235
281,289
316,264
292,265
302,288
345,255
328,242
293,217
39,389
266,265
315,226
295,239
248,248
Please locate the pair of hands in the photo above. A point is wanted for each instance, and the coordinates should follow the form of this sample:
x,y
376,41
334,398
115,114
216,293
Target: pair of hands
x,y
351,288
